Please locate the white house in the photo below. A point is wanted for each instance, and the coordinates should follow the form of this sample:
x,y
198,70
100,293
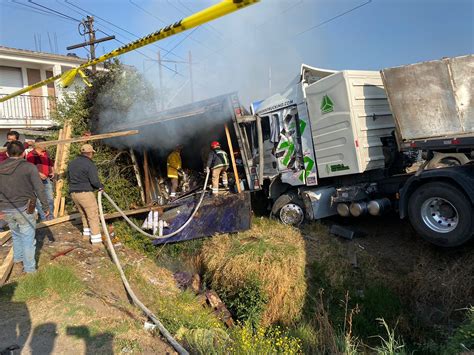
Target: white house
x,y
20,68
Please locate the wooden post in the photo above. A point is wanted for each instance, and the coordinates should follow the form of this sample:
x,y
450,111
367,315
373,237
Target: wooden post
x,y
146,172
61,169
137,175
62,207
232,158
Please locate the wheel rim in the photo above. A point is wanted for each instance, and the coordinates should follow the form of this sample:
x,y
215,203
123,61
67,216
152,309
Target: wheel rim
x,y
292,214
439,215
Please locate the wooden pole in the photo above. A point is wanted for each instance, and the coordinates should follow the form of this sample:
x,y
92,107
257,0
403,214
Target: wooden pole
x,y
146,172
232,158
62,207
62,168
136,169
84,139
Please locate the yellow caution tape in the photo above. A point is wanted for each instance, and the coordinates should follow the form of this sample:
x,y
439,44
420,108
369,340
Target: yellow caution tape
x,y
223,8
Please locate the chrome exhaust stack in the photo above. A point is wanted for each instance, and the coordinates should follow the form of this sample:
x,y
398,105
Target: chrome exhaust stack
x,y
358,209
343,210
379,206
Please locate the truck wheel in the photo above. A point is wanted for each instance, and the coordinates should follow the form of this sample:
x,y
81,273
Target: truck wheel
x,y
441,214
288,208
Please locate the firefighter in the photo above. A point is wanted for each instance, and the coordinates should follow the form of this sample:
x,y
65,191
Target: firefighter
x,y
218,163
174,169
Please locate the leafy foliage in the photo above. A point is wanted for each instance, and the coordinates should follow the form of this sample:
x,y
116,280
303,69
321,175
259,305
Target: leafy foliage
x,y
113,94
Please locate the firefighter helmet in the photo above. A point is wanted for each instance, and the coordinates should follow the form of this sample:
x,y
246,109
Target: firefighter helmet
x,y
215,145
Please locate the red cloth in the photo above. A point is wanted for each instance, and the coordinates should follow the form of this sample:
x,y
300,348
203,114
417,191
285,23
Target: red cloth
x,y
3,156
42,161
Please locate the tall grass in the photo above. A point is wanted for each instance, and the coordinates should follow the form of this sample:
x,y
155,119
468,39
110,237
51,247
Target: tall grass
x,y
272,254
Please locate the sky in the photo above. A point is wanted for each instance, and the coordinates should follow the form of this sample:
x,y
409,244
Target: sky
x,y
256,51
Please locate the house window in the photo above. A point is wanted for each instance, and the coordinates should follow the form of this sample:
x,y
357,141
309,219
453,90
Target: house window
x,y
10,79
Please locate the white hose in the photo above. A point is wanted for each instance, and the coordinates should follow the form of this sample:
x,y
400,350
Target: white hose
x,y
116,260
138,229
177,346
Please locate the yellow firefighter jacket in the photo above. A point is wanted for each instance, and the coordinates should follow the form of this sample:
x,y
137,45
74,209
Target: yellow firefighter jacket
x,y
174,164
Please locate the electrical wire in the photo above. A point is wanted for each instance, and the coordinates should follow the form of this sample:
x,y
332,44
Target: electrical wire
x,y
54,11
334,18
146,11
116,26
34,9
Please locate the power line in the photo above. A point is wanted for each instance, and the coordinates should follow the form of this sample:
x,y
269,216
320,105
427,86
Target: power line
x,y
146,11
335,17
180,42
34,9
143,54
116,26
54,11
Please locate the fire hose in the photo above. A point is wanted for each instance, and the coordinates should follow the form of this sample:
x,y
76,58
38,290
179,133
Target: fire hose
x,y
178,347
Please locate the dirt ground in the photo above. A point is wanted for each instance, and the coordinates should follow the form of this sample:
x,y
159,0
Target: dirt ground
x,y
98,320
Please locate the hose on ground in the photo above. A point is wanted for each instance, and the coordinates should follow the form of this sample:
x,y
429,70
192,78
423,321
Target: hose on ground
x,y
177,346
139,230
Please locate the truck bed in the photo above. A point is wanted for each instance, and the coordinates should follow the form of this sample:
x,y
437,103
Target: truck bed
x,y
432,102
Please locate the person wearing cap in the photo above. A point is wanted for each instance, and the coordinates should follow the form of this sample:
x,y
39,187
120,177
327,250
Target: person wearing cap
x,y
174,169
45,165
83,179
218,163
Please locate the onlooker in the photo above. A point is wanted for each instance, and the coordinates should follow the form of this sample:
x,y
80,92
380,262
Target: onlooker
x,y
11,137
83,180
40,157
20,186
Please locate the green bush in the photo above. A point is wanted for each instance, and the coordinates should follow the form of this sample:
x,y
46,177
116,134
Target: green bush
x,y
246,303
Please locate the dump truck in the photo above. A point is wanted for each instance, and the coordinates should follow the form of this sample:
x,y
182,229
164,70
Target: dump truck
x,y
355,143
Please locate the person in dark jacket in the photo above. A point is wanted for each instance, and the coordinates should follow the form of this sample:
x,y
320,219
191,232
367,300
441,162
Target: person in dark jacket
x,y
218,163
20,186
83,180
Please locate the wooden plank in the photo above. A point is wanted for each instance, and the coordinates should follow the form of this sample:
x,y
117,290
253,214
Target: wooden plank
x,y
232,158
146,172
85,139
136,169
5,237
6,267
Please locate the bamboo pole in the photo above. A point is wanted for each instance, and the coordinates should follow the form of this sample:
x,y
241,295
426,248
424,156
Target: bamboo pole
x,y
136,169
232,158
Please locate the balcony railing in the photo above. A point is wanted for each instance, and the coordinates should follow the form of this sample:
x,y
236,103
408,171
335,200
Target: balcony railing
x,y
27,108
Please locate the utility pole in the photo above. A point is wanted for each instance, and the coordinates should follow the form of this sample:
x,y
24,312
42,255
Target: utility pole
x,y
191,76
161,81
86,27
90,30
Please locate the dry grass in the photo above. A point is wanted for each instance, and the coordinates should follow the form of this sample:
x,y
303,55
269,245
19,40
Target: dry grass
x,y
272,253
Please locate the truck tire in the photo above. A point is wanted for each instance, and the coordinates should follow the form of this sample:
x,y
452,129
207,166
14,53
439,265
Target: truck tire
x,y
441,214
289,209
